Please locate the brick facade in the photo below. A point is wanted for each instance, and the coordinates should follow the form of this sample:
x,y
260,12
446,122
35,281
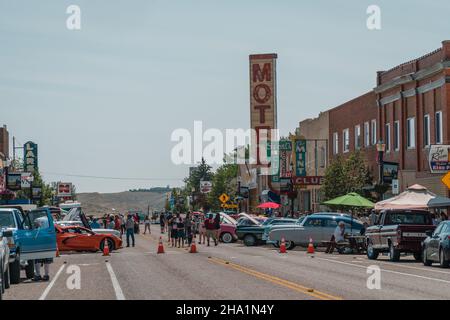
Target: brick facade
x,y
406,94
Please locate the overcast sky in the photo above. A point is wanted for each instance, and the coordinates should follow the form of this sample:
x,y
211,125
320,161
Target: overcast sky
x,y
104,100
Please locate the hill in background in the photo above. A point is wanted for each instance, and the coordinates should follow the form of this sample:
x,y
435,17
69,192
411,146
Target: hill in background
x,y
100,203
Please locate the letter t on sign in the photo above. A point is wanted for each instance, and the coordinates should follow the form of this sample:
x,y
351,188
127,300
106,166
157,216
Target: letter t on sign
x,y
262,113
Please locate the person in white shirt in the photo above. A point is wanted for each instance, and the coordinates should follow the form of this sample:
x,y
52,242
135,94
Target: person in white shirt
x,y
339,232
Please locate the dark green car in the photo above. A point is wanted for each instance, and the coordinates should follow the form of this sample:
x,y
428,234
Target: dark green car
x,y
250,231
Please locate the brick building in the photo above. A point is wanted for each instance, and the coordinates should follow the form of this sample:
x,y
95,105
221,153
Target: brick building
x,y
413,110
353,126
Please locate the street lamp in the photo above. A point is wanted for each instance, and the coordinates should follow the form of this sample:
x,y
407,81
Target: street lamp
x,y
381,148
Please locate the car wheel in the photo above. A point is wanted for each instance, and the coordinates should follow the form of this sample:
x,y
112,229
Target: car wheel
x,y
249,240
226,237
29,269
425,260
110,244
290,245
372,254
14,271
394,254
442,262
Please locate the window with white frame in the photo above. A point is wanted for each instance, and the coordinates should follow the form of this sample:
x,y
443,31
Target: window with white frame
x,y
335,143
438,127
345,140
366,134
357,137
410,133
374,132
388,137
396,135
426,130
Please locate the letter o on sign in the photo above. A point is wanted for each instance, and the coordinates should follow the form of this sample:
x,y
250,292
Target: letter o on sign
x,y
262,98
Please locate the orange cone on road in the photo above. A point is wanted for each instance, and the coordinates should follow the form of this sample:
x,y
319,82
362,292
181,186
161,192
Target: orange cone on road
x,y
106,248
193,246
310,246
160,246
283,246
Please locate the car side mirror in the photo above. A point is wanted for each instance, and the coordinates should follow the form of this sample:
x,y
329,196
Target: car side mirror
x,y
429,233
7,233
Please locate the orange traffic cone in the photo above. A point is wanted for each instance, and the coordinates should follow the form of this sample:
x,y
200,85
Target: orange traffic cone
x,y
310,246
106,248
160,246
283,246
193,246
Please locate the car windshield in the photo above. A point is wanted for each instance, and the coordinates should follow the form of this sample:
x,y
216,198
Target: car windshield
x,y
407,218
7,220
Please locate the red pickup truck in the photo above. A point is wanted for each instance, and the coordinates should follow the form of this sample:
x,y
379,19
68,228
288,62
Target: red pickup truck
x,y
398,231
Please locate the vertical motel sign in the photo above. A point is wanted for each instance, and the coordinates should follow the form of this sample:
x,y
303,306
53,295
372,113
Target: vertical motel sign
x,y
30,151
300,158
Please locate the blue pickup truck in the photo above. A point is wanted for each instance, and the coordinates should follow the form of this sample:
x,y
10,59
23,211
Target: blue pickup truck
x,y
33,237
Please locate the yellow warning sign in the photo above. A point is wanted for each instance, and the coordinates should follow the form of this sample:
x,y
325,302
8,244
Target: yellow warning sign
x,y
446,180
224,198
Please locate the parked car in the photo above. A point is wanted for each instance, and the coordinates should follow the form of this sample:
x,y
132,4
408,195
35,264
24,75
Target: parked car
x,y
33,237
294,223
317,227
4,260
80,224
436,247
253,234
76,217
77,238
398,231
227,227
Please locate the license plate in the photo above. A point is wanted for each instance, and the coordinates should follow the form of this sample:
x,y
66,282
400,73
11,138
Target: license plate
x,y
414,234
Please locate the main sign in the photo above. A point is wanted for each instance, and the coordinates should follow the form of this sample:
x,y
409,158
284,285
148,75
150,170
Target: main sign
x,y
30,151
263,108
64,189
308,181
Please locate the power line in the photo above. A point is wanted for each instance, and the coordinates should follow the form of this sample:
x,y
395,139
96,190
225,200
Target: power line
x,y
109,178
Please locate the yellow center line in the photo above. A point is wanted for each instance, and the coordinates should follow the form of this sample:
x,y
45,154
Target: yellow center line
x,y
282,282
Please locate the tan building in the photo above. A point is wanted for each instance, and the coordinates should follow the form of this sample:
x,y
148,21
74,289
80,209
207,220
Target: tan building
x,y
315,132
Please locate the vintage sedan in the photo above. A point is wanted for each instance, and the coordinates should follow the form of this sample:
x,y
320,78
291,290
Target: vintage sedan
x,y
77,238
436,247
252,233
316,227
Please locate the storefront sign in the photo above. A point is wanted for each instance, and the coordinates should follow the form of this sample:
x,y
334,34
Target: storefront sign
x,y
308,181
30,150
64,189
25,180
439,158
263,109
205,186
13,182
300,158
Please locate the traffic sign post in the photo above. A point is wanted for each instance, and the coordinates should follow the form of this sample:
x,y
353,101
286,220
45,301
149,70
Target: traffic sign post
x,y
446,179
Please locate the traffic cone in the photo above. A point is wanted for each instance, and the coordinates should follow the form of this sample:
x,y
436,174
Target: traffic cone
x,y
283,246
193,246
310,246
106,248
160,246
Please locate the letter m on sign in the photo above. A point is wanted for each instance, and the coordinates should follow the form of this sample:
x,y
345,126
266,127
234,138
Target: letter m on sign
x,y
262,75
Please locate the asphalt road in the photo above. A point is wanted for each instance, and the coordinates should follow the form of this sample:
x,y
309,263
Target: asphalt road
x,y
230,271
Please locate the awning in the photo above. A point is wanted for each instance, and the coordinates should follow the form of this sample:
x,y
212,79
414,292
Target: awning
x,y
270,196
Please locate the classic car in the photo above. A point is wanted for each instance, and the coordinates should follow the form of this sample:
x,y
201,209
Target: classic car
x,y
4,260
316,227
398,231
33,237
252,234
77,238
436,247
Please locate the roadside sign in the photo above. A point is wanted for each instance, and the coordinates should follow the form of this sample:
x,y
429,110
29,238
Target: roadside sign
x,y
229,206
25,180
224,198
446,180
395,186
439,158
205,186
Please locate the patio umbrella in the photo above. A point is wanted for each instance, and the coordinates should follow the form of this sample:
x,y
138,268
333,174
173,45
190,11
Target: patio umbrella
x,y
351,200
415,197
269,205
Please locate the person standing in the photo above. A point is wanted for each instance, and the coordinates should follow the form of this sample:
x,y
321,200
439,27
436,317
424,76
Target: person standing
x,y
217,228
188,228
162,222
147,224
180,231
173,230
210,229
129,225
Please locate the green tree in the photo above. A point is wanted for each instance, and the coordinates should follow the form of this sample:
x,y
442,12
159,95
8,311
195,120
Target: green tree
x,y
203,172
355,172
334,181
224,181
